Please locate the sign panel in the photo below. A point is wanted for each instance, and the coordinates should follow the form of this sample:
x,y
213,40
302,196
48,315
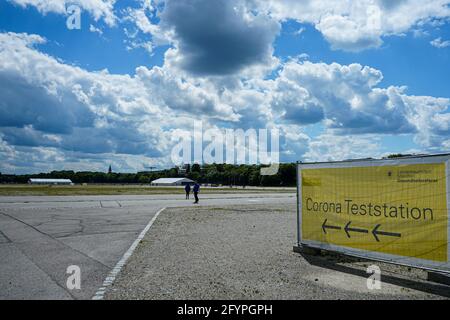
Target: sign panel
x,y
394,210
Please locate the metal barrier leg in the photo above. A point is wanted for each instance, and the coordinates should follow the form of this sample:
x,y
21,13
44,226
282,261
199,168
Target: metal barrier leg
x,y
306,250
442,278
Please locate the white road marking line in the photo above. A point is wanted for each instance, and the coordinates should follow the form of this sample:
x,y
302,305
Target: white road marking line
x,y
99,295
253,200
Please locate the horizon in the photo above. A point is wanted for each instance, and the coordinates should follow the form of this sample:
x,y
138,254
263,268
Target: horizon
x,y
388,157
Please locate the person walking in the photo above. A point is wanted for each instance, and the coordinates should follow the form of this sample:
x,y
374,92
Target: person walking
x,y
187,188
196,190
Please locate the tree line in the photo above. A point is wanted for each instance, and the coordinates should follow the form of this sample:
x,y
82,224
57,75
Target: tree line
x,y
219,174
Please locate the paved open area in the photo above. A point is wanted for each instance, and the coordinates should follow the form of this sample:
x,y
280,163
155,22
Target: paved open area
x,y
245,252
41,236
230,246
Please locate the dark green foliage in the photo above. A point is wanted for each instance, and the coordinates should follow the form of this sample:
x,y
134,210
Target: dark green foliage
x,y
224,174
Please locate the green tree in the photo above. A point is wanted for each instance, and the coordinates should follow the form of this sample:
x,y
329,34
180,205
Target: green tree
x,y
196,168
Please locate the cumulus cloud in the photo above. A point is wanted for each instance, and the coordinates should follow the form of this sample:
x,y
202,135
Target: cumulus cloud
x,y
142,18
431,116
189,95
357,25
347,101
345,97
27,159
218,37
439,43
47,103
95,29
98,9
329,147
225,37
69,113
295,103
242,31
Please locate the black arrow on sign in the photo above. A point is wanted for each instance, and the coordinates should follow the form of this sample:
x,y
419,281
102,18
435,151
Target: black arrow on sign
x,y
325,227
347,229
375,233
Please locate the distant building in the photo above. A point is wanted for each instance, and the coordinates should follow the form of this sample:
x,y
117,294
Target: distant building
x,y
110,169
50,181
172,182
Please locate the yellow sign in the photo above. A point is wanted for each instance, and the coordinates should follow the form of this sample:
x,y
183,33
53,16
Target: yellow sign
x,y
399,210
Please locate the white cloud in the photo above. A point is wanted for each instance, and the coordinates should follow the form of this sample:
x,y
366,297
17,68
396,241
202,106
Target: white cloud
x,y
299,31
439,43
350,25
65,111
116,112
420,33
48,104
98,9
432,119
358,24
221,37
189,95
208,38
141,17
95,29
347,101
345,97
329,147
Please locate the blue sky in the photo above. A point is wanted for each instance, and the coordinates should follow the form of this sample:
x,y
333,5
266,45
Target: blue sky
x,y
338,79
82,47
404,60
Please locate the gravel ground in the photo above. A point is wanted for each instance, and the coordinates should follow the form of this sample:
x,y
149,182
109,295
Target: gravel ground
x,y
245,252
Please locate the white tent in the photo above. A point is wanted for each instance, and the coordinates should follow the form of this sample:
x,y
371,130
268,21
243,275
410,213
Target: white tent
x,y
172,182
50,181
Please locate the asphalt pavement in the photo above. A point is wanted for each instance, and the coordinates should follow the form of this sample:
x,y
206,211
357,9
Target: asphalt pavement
x,y
41,236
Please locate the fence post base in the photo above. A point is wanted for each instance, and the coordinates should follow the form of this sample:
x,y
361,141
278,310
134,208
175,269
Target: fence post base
x,y
306,250
438,277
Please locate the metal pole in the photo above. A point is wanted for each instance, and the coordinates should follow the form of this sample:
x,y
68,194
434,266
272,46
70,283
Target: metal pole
x,y
298,209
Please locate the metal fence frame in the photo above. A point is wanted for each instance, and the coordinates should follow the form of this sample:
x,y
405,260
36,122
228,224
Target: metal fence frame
x,y
369,255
